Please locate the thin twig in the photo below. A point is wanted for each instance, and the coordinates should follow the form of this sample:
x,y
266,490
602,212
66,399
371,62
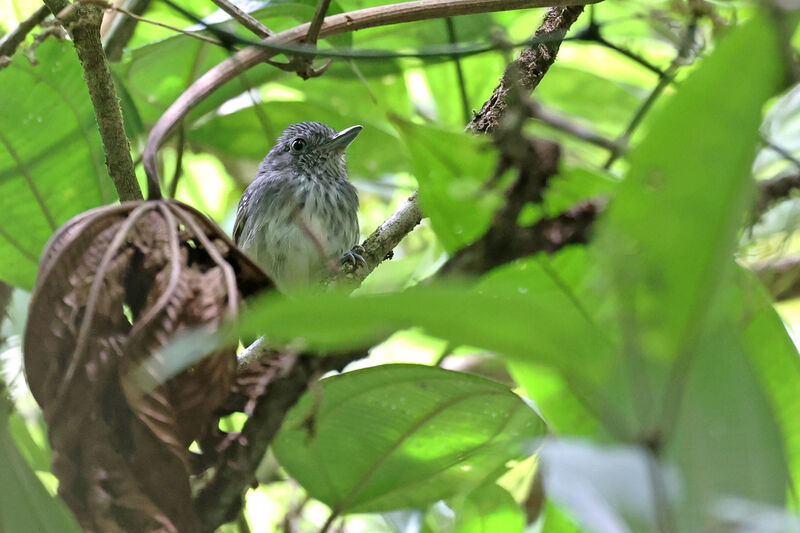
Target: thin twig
x,y
332,25
11,40
226,39
176,175
780,150
119,34
329,522
662,84
561,123
316,22
244,18
138,18
462,85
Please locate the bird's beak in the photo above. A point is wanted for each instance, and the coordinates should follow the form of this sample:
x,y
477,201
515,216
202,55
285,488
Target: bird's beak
x,y
343,139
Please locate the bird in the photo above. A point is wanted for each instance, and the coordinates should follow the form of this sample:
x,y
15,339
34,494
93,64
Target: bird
x,y
300,213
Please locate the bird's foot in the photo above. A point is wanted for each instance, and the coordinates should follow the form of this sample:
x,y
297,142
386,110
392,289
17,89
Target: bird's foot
x,y
354,256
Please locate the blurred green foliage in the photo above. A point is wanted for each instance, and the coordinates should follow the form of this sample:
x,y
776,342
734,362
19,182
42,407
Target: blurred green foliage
x,y
660,364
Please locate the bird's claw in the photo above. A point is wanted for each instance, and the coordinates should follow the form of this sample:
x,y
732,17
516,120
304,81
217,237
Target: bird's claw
x,y
354,256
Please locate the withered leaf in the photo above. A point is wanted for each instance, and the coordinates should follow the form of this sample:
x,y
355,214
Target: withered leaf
x,y
115,285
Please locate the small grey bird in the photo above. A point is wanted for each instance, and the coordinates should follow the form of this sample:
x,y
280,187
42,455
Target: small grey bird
x,y
301,211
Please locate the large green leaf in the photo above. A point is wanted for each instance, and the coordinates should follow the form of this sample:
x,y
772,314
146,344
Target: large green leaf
x,y
488,509
727,441
25,505
507,321
451,169
775,360
402,436
668,237
51,159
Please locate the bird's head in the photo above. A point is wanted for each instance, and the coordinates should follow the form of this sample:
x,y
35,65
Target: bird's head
x,y
311,148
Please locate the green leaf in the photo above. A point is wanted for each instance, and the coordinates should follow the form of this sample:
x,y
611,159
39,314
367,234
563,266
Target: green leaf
x,y
669,234
775,361
503,320
402,436
451,169
37,456
487,509
727,441
557,521
25,505
51,159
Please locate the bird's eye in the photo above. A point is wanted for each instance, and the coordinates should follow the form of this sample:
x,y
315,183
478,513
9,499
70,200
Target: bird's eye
x,y
298,145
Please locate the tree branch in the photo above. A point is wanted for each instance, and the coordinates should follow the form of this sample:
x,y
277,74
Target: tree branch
x,y
244,18
501,245
220,500
528,69
316,21
11,40
561,123
83,25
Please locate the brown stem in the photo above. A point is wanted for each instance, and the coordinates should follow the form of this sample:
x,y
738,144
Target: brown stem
x,y
316,21
529,68
83,25
562,123
10,41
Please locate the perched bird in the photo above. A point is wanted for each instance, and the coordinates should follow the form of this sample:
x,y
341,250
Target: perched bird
x,y
300,213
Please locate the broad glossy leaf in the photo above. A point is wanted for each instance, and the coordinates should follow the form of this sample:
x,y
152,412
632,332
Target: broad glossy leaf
x,y
776,362
727,442
51,160
564,281
488,509
556,520
570,187
451,169
511,323
402,436
25,505
37,456
669,235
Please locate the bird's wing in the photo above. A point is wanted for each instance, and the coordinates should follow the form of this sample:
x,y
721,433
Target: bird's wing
x,y
241,216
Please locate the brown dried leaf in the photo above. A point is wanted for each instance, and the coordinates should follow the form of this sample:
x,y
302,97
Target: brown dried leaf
x,y
115,285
